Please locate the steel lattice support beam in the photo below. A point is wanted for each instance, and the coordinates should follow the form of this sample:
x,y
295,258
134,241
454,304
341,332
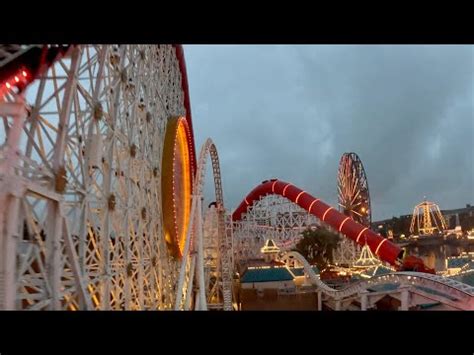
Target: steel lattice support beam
x,y
84,168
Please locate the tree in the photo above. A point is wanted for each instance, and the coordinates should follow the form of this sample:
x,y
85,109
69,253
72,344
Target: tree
x,y
317,246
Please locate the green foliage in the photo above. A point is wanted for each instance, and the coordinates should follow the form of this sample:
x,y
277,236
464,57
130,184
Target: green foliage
x,y
317,246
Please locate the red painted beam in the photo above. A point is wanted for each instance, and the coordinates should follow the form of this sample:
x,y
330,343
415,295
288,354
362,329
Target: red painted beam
x,y
380,246
187,103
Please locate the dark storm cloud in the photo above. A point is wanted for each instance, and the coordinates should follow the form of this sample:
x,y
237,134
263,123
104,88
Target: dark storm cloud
x,y
292,111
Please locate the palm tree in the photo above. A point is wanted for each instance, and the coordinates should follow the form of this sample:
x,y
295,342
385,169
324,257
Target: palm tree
x,y
317,246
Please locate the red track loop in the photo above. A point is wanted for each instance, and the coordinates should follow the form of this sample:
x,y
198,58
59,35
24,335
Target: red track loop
x,y
386,250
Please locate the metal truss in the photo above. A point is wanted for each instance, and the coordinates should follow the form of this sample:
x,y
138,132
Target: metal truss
x,y
272,217
347,252
461,296
80,200
205,280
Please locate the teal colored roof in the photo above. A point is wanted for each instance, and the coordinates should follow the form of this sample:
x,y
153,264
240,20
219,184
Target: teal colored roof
x,y
384,287
429,305
458,262
467,278
266,275
434,292
378,270
299,271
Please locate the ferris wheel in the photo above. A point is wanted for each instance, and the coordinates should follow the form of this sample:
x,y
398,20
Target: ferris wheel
x,y
353,189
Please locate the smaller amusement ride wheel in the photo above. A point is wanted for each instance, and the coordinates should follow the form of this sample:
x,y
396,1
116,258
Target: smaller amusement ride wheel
x,y
353,189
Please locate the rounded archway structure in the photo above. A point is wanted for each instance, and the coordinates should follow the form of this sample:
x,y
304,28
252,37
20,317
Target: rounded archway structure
x,y
176,184
380,246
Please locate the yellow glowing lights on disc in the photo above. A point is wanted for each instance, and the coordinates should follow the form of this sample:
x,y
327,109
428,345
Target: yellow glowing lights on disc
x,y
176,185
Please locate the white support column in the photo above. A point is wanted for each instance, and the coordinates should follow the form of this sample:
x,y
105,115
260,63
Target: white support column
x,y
182,272
10,204
8,288
127,288
84,299
338,305
320,301
189,290
53,239
53,253
405,299
200,256
363,301
141,269
197,306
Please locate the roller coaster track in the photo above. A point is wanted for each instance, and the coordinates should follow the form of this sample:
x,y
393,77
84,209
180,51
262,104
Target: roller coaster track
x,y
193,252
380,246
463,294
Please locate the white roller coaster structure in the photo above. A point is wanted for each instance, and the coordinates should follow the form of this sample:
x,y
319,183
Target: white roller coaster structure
x,y
272,217
81,220
80,188
218,263
450,292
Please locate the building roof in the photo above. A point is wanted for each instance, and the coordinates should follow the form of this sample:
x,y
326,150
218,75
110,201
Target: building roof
x,y
375,271
467,278
435,292
466,209
266,275
458,262
429,305
383,287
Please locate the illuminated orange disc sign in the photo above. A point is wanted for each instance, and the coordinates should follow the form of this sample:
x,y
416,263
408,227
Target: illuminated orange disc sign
x,y
176,184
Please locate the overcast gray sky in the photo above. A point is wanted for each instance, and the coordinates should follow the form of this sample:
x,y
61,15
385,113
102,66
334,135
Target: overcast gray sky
x,y
290,112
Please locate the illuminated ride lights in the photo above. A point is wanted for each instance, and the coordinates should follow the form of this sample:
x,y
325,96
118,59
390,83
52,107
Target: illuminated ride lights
x,y
353,189
17,81
21,65
176,184
427,219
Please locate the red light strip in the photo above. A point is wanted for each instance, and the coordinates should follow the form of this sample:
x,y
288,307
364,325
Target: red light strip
x,y
312,203
344,221
297,197
325,213
273,186
360,233
284,189
378,247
